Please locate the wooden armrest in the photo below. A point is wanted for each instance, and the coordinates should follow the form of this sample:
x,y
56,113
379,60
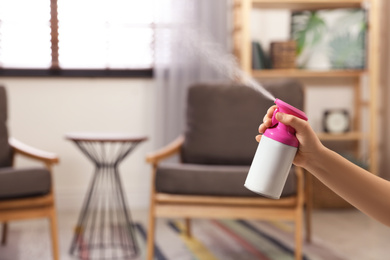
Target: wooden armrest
x,y
34,153
167,151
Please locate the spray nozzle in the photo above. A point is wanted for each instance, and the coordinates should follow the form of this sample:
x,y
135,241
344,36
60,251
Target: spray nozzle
x,y
281,132
289,109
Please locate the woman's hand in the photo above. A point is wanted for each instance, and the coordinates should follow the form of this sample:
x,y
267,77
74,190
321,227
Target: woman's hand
x,y
267,121
309,144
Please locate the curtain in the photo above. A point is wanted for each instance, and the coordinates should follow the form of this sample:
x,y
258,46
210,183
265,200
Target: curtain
x,y
188,38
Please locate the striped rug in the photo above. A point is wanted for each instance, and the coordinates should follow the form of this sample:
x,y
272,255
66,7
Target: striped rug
x,y
230,240
211,240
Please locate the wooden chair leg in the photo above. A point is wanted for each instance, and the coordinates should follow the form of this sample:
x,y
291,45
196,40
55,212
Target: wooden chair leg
x,y
298,235
309,207
151,234
54,234
4,233
188,227
308,215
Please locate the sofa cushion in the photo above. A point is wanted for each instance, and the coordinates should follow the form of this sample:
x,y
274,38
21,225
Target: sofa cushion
x,y
5,149
209,180
223,119
19,183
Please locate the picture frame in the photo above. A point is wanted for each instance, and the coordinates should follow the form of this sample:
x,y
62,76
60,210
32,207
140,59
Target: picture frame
x,y
330,39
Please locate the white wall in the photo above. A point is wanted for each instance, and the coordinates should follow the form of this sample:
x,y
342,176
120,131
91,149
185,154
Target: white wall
x,y
43,110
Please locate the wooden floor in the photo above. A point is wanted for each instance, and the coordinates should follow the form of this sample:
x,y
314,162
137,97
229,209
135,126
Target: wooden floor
x,y
352,234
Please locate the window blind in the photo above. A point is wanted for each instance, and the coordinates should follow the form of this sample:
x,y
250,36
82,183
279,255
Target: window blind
x,y
114,34
76,34
25,34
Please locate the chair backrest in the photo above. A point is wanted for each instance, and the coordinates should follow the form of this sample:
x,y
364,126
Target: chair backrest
x,y
223,119
5,149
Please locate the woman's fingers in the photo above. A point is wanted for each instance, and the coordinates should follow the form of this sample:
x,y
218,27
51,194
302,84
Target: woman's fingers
x,y
270,111
267,120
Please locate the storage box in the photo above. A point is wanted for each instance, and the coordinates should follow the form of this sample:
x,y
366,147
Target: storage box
x,y
283,54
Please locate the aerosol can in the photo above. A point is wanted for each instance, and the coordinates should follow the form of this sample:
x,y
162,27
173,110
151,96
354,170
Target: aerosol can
x,y
274,155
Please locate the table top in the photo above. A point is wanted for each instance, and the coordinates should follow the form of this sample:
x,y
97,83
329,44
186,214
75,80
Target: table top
x,y
105,137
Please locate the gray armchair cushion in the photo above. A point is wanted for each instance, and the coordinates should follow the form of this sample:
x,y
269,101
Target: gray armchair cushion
x,y
19,183
5,149
222,120
209,180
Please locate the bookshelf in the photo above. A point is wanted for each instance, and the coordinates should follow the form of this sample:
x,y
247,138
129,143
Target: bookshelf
x,y
242,49
298,73
306,4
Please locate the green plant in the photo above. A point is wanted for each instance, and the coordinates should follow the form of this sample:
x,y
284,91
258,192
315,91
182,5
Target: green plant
x,y
347,51
308,29
347,40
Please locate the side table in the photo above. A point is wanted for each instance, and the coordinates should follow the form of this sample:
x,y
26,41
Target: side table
x,y
105,229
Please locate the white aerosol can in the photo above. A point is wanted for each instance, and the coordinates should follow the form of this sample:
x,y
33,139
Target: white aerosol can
x,y
274,155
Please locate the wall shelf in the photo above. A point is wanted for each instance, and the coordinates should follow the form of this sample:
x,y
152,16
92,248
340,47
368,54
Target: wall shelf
x,y
243,51
350,136
298,73
307,4
363,140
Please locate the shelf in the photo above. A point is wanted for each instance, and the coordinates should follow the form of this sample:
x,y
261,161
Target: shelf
x,y
308,4
297,73
242,49
350,136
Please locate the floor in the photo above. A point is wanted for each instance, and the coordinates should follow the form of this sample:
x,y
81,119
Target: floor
x,y
352,234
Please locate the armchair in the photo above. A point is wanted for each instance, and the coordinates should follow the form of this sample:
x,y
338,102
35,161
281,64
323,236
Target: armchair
x,y
25,192
216,152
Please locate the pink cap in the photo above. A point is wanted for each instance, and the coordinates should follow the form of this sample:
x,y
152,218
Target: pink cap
x,y
280,132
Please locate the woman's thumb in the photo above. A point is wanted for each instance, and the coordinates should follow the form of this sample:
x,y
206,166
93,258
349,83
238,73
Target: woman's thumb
x,y
290,120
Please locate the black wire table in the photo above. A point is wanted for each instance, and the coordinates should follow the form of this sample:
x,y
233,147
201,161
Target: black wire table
x,y
105,229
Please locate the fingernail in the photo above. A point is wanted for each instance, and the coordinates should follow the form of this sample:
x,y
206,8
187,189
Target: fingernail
x,y
279,116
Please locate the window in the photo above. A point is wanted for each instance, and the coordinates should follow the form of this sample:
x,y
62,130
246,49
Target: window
x,y
104,36
25,34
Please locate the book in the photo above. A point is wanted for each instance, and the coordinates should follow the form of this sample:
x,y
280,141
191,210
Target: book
x,y
259,58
